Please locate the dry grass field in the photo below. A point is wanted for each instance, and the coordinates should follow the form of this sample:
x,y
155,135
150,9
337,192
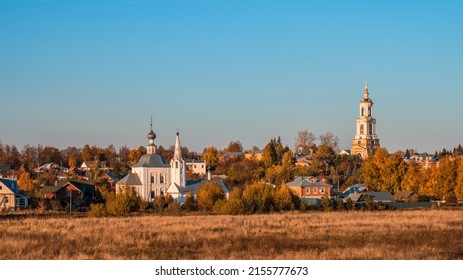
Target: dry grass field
x,y
432,234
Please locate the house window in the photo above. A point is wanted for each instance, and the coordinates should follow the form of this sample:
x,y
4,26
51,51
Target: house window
x,y
315,190
152,194
153,178
307,190
7,200
322,190
163,190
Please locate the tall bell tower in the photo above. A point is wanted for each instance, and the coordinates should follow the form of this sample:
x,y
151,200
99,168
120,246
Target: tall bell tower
x,y
366,141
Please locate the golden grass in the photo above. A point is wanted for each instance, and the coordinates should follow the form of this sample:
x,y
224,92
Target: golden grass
x,y
432,234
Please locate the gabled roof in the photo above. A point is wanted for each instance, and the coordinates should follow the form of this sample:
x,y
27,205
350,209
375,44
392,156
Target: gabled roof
x,y
111,176
151,160
379,196
193,186
130,179
50,189
401,196
305,181
12,185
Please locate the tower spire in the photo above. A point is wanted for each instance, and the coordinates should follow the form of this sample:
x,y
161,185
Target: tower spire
x,y
365,92
178,148
151,148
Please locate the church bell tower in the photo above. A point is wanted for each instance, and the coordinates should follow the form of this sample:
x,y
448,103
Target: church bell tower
x,y
366,141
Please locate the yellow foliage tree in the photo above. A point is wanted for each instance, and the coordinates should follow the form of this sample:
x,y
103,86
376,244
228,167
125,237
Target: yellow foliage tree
x,y
24,182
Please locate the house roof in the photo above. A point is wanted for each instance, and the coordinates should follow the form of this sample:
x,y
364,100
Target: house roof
x,y
358,188
400,195
111,176
379,196
12,185
130,179
193,186
50,189
151,160
305,181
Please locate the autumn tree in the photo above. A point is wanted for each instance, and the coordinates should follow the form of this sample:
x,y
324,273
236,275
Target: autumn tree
x,y
259,198
459,180
208,195
330,140
234,146
305,141
134,156
413,178
29,157
87,153
446,178
210,156
24,182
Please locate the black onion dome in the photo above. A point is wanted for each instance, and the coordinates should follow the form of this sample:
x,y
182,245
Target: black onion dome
x,y
151,135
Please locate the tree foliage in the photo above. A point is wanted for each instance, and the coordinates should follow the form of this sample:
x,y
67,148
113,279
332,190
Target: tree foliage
x,y
208,194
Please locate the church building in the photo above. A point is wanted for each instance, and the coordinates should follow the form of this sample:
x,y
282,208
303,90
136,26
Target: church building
x,y
366,141
152,176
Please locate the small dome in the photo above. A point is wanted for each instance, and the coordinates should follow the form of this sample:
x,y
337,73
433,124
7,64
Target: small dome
x,y
151,135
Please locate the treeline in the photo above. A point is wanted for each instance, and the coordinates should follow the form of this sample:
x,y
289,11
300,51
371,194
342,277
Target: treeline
x,y
441,179
31,157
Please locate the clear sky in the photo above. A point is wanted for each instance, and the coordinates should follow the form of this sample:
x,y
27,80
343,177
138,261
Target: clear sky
x,y
93,72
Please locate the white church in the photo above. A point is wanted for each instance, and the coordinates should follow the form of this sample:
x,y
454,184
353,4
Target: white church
x,y
152,176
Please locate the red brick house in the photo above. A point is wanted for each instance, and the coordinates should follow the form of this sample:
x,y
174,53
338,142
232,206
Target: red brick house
x,y
310,189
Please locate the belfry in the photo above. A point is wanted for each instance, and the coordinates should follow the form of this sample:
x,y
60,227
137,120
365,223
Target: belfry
x,y
365,142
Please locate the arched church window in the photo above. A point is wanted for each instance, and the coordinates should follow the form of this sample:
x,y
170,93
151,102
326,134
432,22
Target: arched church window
x,y
370,128
363,111
369,111
361,129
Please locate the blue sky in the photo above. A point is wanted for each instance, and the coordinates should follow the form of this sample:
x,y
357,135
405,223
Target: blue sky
x,y
93,72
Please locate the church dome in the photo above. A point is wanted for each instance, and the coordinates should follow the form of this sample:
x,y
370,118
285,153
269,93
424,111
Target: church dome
x,y
151,135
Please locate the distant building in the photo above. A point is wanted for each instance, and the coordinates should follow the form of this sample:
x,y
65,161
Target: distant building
x,y
366,141
309,189
196,166
153,177
10,198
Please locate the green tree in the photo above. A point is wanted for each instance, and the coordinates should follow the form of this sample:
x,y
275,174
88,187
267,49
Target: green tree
x,y
208,194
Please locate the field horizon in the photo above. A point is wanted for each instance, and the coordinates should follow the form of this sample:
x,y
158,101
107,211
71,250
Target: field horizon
x,y
358,235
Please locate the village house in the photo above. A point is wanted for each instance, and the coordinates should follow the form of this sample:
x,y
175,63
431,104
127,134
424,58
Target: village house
x,y
77,191
10,198
196,166
310,189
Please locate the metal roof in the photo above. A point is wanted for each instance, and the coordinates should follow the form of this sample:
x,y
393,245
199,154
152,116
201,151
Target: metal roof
x,y
151,160
130,179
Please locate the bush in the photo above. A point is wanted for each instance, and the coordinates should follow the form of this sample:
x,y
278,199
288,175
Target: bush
x,y
208,194
125,201
98,210
190,203
259,198
233,207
